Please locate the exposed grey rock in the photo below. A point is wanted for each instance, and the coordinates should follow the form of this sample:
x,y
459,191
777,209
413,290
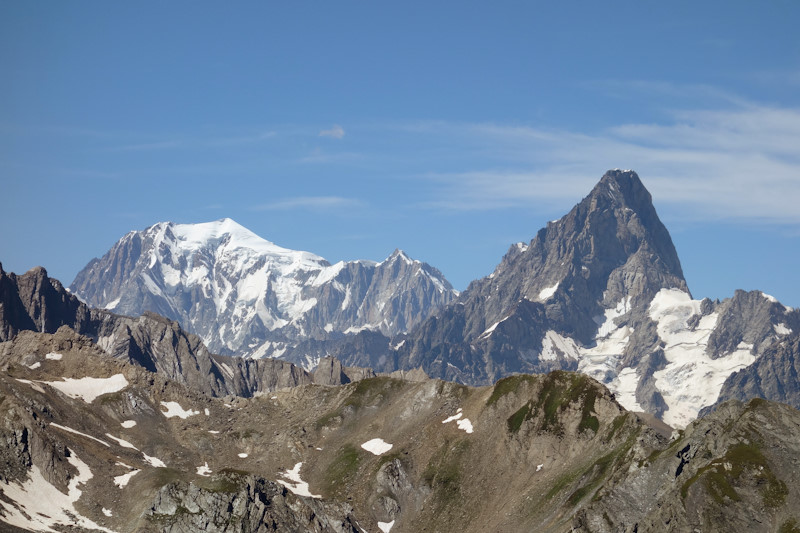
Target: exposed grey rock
x,y
731,471
244,504
775,376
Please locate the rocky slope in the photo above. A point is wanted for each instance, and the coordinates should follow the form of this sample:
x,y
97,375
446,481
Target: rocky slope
x,y
244,295
90,441
600,291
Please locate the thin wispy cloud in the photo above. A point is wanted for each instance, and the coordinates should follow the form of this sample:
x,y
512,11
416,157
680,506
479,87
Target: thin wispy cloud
x,y
336,132
309,203
735,164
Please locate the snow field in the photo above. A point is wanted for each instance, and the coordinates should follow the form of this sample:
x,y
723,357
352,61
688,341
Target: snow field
x,y
45,505
88,389
691,379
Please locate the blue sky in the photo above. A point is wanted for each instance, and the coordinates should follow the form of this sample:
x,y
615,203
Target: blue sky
x,y
449,130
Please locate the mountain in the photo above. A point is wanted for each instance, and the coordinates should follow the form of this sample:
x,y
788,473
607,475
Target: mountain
x,y
34,302
94,443
600,291
244,295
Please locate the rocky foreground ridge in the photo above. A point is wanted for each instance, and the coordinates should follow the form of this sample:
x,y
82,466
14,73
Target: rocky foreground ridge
x,y
101,444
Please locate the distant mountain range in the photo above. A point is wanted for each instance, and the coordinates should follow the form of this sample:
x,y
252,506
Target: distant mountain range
x,y
247,296
600,291
121,423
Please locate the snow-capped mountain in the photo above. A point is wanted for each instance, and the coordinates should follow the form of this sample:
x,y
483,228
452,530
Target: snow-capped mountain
x,y
247,296
600,291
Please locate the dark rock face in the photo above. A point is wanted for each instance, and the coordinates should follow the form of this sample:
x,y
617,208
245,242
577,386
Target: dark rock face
x,y
775,375
610,248
244,504
245,296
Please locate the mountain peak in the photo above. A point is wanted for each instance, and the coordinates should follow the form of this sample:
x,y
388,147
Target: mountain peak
x,y
399,254
625,189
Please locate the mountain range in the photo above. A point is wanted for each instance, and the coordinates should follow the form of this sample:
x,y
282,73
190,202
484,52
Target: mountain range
x,y
247,296
579,387
600,291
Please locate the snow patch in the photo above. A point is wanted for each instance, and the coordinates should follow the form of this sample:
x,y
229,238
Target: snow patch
x,y
299,486
465,424
780,329
88,389
107,512
75,431
386,527
242,455
554,345
204,470
377,446
123,443
153,461
33,384
539,467
769,297
175,409
454,417
546,293
128,424
54,356
124,479
35,365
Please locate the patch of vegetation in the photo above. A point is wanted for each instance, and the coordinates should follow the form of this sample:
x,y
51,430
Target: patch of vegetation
x,y
327,419
616,424
561,389
368,390
443,472
596,472
789,526
721,475
507,386
388,457
164,476
246,434
343,467
515,421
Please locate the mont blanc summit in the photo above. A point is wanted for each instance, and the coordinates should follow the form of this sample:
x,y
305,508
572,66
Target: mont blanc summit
x,y
247,296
